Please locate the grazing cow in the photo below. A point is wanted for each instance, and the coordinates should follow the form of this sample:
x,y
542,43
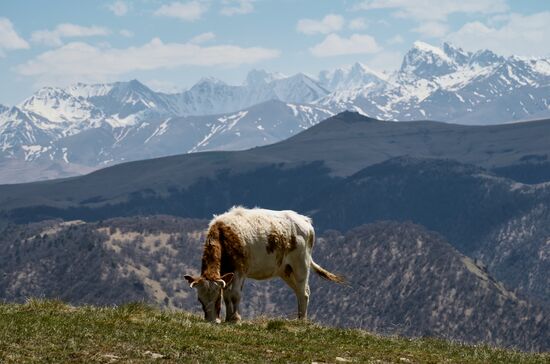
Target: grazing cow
x,y
260,244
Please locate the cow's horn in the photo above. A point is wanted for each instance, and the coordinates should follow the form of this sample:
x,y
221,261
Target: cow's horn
x,y
221,281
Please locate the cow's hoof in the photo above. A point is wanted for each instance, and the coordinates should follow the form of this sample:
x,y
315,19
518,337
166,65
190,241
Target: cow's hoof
x,y
234,320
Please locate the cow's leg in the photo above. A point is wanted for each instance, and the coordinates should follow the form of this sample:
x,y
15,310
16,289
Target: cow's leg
x,y
298,281
232,298
236,299
229,309
302,294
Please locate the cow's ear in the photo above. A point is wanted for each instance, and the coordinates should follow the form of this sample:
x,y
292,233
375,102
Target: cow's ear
x,y
227,278
191,280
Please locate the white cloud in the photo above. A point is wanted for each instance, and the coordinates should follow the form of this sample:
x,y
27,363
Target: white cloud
x,y
67,30
334,45
435,10
432,29
126,33
9,39
396,39
357,24
526,35
328,24
189,11
80,61
237,7
201,38
119,8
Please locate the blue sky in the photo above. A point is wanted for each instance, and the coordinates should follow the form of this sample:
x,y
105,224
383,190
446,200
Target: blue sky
x,y
169,45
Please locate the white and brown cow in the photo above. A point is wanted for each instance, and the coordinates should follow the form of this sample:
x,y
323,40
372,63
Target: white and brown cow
x,y
260,244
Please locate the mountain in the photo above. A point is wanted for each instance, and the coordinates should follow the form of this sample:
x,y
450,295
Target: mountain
x,y
347,78
345,171
411,281
517,251
62,132
489,259
211,96
260,124
341,145
428,62
450,84
63,114
38,149
403,279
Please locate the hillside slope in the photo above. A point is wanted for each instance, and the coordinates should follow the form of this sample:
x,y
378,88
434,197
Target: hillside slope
x,y
481,214
403,279
50,331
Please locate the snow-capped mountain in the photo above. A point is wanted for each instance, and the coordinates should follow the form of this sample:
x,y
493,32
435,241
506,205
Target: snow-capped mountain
x,y
352,77
21,130
65,131
259,78
43,150
450,84
261,124
61,112
429,62
210,96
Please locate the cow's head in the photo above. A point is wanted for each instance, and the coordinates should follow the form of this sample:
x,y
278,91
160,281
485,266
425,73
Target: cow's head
x,y
210,293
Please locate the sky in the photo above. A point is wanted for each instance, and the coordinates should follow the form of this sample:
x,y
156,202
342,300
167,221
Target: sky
x,y
170,45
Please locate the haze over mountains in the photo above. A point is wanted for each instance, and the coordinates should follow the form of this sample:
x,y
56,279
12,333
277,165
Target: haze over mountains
x,y
61,132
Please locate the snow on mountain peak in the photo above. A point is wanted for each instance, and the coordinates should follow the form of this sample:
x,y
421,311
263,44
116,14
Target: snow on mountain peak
x,y
542,65
428,48
209,81
299,88
301,77
131,92
460,56
364,71
261,77
485,58
426,61
351,77
49,93
58,106
86,90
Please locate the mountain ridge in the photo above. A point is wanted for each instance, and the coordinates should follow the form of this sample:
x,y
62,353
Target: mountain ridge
x,y
443,84
345,144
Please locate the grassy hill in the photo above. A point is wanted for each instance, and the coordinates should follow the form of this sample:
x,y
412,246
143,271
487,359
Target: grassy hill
x,y
50,331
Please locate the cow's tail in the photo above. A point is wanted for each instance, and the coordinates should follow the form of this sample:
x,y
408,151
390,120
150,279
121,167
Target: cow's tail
x,y
325,274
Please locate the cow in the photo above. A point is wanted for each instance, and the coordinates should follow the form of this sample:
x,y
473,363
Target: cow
x,y
259,244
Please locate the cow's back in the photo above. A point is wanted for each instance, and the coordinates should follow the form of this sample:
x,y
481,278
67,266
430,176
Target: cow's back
x,y
267,237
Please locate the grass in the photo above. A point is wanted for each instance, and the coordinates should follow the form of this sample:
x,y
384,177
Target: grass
x,y
45,331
